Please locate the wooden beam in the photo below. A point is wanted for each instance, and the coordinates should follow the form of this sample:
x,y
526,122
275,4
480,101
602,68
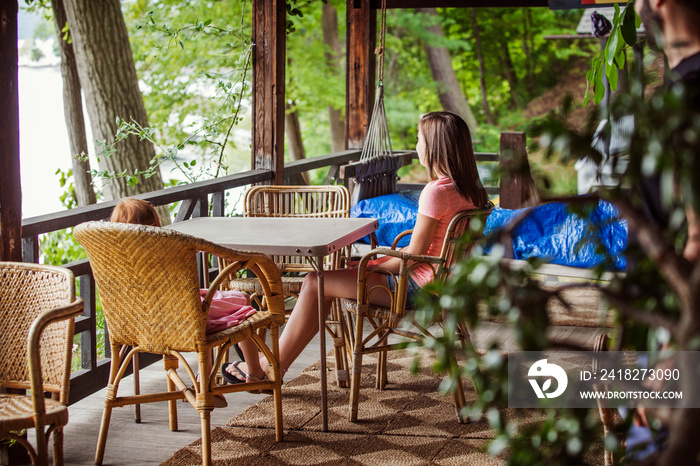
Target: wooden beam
x,y
361,37
10,184
517,186
269,56
458,3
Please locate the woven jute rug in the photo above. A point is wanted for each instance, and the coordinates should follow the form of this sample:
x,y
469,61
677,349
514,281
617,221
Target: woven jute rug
x,y
408,423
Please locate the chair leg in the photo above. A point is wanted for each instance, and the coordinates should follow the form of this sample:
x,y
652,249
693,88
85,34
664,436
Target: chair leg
x,y
204,404
112,389
277,390
137,387
205,416
42,450
460,401
356,370
58,447
170,362
382,376
336,331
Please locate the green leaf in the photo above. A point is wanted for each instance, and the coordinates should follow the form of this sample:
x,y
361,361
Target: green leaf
x,y
629,25
620,60
612,74
599,88
611,47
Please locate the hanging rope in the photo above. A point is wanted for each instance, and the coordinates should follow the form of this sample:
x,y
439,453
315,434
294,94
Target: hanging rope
x,y
376,173
378,142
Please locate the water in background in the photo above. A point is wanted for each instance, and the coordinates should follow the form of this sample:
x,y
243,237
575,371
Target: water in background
x,y
43,139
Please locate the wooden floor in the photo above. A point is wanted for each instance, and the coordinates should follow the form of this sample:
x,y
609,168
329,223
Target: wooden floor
x,y
151,441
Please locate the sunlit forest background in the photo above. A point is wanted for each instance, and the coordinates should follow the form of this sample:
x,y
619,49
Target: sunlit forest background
x,y
194,73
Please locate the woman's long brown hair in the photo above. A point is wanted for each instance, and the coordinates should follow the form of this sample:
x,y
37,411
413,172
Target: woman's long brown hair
x,y
449,151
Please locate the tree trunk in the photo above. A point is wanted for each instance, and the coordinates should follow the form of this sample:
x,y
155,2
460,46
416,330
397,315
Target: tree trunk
x,y
329,21
73,112
294,141
527,46
108,77
451,94
509,73
482,69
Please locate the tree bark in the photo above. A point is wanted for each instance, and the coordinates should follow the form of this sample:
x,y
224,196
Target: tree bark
x,y
108,77
450,92
527,45
329,21
73,112
509,73
294,141
482,69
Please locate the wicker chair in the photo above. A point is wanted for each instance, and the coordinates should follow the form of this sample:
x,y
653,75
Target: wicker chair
x,y
328,201
148,282
37,311
385,321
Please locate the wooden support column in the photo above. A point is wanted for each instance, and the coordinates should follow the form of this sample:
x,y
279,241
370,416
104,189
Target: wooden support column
x,y
269,55
517,188
360,67
10,184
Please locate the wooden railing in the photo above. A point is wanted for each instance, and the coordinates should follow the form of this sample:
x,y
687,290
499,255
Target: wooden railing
x,y
197,200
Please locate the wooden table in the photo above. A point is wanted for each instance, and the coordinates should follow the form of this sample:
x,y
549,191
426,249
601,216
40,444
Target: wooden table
x,y
313,238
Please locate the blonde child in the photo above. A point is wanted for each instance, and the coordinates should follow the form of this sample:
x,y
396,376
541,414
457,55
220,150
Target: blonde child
x,y
228,308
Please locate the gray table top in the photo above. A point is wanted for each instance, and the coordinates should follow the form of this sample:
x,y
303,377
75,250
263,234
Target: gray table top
x,y
279,235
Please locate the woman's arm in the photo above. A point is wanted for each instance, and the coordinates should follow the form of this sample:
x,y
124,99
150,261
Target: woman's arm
x,y
423,234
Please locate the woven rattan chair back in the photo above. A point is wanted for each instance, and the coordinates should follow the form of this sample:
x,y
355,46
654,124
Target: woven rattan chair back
x,y
27,290
327,201
457,242
143,274
37,311
149,285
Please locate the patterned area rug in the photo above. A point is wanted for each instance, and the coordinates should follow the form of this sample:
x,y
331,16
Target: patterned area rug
x,y
408,423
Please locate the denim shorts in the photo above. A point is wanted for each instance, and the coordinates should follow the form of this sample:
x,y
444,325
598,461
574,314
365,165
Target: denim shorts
x,y
412,290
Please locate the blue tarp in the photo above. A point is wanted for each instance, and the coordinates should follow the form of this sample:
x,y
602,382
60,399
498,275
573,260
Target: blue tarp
x,y
549,232
558,236
394,212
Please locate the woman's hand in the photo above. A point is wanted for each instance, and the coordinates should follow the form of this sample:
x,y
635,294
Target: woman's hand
x,y
373,263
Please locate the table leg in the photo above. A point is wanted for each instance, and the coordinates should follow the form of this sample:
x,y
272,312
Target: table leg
x,y
322,338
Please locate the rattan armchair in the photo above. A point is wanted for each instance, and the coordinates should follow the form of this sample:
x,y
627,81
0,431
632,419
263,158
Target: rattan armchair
x,y
37,312
386,322
148,282
326,201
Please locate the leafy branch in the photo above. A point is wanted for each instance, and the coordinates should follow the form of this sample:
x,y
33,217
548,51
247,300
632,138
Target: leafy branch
x,y
622,36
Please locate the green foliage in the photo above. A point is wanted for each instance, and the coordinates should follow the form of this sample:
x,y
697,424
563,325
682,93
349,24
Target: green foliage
x,y
607,63
648,300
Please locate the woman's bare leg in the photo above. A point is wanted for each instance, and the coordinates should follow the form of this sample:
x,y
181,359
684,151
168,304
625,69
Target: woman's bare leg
x,y
303,323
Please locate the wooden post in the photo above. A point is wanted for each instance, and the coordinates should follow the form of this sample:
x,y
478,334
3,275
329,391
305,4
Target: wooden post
x,y
360,71
10,184
269,57
517,186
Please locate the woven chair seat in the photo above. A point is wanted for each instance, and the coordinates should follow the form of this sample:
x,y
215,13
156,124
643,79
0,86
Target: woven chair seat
x,y
17,412
291,286
375,312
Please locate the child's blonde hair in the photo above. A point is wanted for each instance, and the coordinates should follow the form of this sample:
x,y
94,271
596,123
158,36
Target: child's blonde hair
x,y
130,210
